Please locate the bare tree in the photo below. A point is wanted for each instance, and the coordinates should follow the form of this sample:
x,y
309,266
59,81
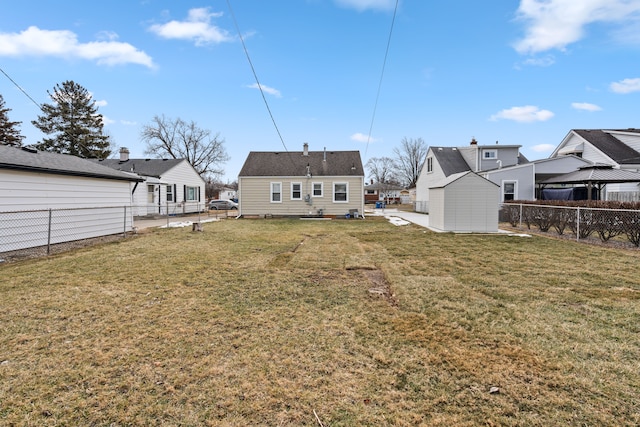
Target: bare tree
x,y
181,140
382,170
409,159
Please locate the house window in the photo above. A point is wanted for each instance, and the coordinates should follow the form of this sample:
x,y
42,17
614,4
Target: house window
x,y
429,164
340,192
296,191
509,190
489,154
170,195
276,192
151,189
191,194
317,189
371,192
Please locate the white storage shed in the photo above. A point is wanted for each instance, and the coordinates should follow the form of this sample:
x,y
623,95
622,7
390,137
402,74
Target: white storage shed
x,y
466,203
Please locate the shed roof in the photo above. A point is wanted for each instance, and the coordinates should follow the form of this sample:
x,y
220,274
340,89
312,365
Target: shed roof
x,y
147,167
32,160
294,163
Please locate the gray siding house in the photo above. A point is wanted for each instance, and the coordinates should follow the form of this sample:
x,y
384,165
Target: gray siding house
x,y
618,148
300,184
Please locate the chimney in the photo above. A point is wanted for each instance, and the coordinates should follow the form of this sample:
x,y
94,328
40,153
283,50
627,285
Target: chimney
x,y
473,141
124,154
305,151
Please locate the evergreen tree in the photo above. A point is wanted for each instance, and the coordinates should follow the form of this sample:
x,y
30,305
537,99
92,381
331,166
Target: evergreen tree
x,y
74,122
9,133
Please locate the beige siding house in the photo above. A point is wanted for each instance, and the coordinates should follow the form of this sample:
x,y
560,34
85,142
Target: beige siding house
x,y
301,184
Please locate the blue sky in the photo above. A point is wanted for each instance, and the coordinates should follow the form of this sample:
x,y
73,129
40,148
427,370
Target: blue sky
x,y
518,72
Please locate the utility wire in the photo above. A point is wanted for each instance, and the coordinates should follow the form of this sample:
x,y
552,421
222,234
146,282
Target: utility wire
x,y
21,90
384,63
255,75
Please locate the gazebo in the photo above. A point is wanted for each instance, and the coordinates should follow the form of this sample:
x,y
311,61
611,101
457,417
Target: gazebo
x,y
594,176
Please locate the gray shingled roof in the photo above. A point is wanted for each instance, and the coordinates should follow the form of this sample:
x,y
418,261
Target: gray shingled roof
x,y
450,160
294,163
147,167
618,151
27,159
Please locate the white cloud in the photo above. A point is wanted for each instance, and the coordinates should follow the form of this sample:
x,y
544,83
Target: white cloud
x,y
543,148
64,44
554,24
360,137
128,123
585,106
526,114
362,5
626,86
107,121
267,89
546,61
102,103
196,27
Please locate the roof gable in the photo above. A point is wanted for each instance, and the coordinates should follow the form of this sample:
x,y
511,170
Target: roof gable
x,y
28,159
295,163
611,146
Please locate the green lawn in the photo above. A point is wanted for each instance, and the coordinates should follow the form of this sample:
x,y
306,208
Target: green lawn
x,y
344,323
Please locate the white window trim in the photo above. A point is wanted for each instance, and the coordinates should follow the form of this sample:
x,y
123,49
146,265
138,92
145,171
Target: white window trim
x,y
195,194
429,164
493,154
515,188
313,185
346,190
170,196
271,192
300,190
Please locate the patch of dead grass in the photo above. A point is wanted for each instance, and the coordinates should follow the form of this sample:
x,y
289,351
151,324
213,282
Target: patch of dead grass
x,y
265,322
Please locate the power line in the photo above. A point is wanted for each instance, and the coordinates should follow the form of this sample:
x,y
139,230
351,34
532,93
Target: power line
x,y
22,90
384,63
255,75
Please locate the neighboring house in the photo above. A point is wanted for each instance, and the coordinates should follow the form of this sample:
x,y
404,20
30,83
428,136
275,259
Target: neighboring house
x,y
382,192
518,178
465,202
299,184
37,181
226,193
619,148
442,162
171,186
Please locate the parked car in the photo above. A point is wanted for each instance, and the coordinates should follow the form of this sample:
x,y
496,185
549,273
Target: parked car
x,y
222,204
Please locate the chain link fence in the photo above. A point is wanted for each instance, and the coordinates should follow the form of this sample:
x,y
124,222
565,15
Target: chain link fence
x,y
46,231
582,222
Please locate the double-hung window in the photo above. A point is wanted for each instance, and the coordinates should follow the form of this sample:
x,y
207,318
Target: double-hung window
x,y
296,191
170,195
317,189
489,154
509,190
276,192
340,192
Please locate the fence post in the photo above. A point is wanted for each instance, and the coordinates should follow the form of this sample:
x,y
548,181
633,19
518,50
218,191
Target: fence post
x,y
578,224
49,234
520,215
